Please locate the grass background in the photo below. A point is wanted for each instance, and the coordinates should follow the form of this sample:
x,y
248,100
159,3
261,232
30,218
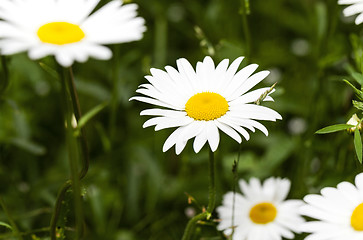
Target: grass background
x,y
135,191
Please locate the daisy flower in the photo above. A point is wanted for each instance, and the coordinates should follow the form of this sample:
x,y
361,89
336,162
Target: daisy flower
x,y
339,212
355,8
202,102
65,28
262,213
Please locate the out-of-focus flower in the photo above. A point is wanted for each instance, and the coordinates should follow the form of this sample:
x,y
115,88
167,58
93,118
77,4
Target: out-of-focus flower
x,y
261,212
339,212
356,7
66,29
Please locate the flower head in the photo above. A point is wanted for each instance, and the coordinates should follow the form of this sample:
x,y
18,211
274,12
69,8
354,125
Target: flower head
x,y
355,8
262,212
65,28
202,102
339,212
356,122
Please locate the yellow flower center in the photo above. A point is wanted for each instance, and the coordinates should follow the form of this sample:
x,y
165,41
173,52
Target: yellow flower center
x,y
263,213
206,106
356,220
60,33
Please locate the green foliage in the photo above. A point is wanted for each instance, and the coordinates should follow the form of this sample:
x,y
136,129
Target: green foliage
x,y
135,191
358,144
334,128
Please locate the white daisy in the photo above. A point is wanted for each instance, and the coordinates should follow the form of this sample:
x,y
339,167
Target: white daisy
x,y
65,28
355,8
339,212
262,213
200,102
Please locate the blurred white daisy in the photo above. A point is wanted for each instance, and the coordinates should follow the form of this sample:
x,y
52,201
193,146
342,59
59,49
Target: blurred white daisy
x,y
355,8
261,213
339,212
202,102
65,28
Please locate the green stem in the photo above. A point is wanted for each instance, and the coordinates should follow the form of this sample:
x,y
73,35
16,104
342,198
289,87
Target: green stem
x,y
12,223
161,39
115,93
235,181
72,146
189,230
57,208
5,78
78,115
246,29
71,106
212,183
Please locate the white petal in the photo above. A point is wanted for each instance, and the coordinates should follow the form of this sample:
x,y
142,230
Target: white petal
x,y
64,58
353,9
238,80
200,140
154,102
248,84
212,135
359,19
162,112
342,2
172,139
229,131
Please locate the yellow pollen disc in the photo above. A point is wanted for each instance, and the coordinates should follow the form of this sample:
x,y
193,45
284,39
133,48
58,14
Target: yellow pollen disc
x,y
263,213
356,220
206,106
60,33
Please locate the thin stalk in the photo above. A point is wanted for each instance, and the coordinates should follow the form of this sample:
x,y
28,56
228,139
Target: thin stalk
x,y
115,92
5,79
235,180
246,29
57,209
161,40
12,223
212,183
71,106
72,146
78,115
189,230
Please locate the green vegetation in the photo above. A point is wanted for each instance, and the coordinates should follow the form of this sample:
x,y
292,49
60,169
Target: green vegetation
x,y
135,191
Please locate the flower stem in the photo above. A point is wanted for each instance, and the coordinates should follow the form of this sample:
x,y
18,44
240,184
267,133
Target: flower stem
x,y
71,108
115,94
4,82
57,208
78,115
246,29
189,230
235,181
212,183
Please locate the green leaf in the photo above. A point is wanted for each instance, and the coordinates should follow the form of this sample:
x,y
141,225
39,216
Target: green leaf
x,y
334,128
358,144
89,115
49,70
6,225
358,77
28,145
359,93
358,105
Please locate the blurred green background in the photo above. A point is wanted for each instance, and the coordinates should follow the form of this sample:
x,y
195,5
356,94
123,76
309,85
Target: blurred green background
x,y
135,191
